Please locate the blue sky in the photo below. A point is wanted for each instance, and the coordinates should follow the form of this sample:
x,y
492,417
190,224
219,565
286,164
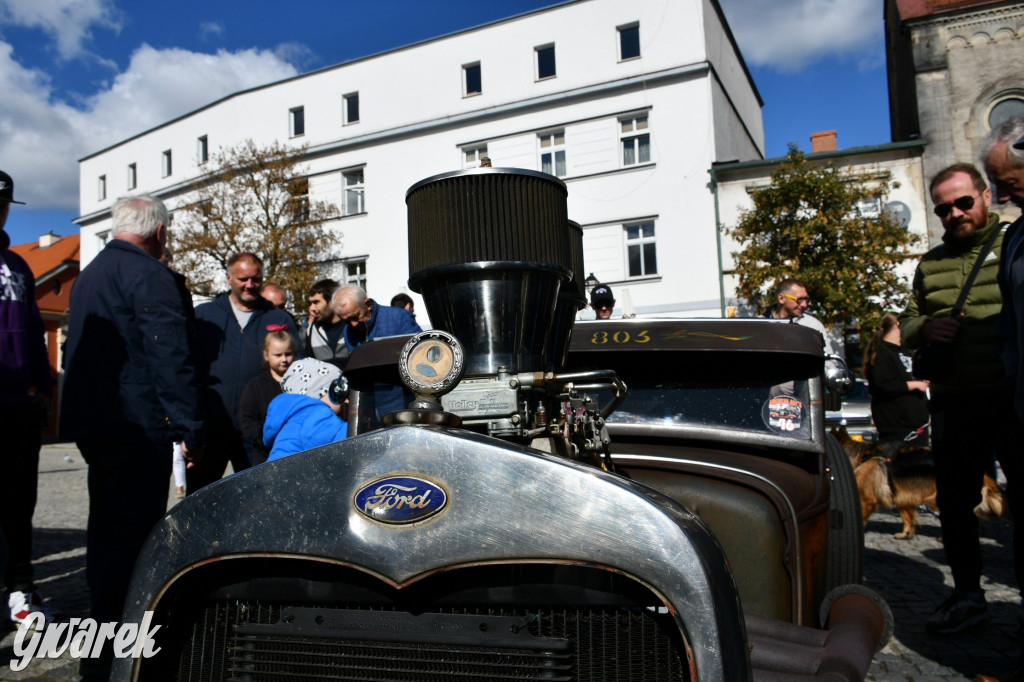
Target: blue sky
x,y
79,75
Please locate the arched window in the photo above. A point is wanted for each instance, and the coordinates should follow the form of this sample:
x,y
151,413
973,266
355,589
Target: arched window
x,y
1004,108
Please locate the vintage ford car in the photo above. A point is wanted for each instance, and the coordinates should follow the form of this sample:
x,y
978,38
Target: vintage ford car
x,y
652,500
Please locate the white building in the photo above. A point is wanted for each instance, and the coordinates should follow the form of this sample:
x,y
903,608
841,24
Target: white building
x,y
628,101
899,162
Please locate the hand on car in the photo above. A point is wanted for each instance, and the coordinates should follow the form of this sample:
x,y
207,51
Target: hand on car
x,y
942,330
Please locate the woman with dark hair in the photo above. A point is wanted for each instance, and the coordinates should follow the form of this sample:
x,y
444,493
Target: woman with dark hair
x,y
899,402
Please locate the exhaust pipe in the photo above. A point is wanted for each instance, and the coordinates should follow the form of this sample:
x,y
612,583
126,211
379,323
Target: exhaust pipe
x,y
858,622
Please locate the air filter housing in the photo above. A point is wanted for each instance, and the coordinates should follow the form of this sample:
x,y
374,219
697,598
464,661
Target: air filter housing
x,y
489,250
571,299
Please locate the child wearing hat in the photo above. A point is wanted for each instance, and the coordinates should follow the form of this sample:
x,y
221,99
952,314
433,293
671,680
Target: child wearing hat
x,y
308,413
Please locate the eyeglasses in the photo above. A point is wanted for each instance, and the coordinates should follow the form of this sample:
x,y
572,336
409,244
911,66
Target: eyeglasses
x,y
802,299
964,203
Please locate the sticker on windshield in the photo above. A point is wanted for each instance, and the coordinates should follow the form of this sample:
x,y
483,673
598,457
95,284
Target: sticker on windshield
x,y
783,413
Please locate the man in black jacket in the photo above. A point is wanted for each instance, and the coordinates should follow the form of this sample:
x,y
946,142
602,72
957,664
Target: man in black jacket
x,y
231,330
1003,156
131,388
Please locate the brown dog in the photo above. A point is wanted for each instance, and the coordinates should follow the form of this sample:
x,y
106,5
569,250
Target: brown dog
x,y
856,450
907,480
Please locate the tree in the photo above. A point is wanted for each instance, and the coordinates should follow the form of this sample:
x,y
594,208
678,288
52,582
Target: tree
x,y
809,224
255,199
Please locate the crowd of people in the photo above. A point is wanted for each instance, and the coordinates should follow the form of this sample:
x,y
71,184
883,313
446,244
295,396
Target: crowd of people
x,y
148,379
238,379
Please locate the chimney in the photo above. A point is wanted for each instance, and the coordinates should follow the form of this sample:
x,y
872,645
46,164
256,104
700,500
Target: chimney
x,y
47,240
825,141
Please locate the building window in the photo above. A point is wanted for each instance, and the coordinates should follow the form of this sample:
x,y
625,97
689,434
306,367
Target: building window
x,y
298,121
166,165
641,251
629,42
101,188
552,153
355,273
636,140
350,109
354,199
471,80
301,200
472,157
545,61
203,149
1004,109
869,207
133,179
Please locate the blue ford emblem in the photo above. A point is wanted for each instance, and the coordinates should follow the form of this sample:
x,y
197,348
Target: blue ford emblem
x,y
400,499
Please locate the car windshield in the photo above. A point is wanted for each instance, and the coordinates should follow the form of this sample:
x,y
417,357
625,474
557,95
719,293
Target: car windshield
x,y
742,406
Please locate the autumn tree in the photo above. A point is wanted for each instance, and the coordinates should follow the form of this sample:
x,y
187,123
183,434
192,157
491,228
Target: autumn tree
x,y
255,199
812,223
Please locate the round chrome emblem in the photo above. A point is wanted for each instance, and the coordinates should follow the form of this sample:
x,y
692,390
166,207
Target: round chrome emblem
x,y
400,499
431,363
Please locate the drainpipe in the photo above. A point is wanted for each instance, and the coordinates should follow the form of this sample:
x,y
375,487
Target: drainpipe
x,y
718,243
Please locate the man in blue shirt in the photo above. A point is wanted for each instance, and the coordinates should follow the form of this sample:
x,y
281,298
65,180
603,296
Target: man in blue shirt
x,y
366,320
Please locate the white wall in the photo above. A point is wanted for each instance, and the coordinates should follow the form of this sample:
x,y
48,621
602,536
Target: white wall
x,y
414,123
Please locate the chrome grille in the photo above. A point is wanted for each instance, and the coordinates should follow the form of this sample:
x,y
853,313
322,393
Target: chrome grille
x,y
240,640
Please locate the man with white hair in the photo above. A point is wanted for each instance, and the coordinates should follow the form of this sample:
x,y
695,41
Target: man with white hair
x,y
366,320
1003,156
131,389
1002,153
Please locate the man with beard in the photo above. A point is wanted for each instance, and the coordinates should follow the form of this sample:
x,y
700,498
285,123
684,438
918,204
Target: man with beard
x,y
971,408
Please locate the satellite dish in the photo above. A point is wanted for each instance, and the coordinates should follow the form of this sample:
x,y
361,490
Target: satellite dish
x,y
900,212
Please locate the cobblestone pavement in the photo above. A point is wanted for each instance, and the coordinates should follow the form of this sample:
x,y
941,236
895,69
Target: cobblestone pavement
x,y
910,574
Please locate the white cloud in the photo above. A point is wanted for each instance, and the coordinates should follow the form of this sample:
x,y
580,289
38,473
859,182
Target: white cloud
x,y
68,22
42,138
790,34
210,29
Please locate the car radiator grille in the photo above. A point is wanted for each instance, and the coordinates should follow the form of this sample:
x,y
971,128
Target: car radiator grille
x,y
235,640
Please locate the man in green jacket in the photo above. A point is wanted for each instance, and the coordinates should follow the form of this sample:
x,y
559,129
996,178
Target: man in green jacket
x,y
972,411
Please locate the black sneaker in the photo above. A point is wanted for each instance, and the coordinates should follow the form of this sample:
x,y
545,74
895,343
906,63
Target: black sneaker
x,y
960,611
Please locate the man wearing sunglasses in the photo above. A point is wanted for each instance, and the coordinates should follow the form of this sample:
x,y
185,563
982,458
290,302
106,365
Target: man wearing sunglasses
x,y
971,410
791,304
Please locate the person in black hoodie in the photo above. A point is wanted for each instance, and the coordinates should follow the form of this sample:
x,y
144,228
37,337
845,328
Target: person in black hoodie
x,y
278,354
899,402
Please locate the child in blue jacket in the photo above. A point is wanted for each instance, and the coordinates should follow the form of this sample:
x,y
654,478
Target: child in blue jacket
x,y
305,416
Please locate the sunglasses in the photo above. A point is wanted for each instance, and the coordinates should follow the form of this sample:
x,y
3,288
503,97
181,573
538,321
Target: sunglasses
x,y
802,299
964,203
